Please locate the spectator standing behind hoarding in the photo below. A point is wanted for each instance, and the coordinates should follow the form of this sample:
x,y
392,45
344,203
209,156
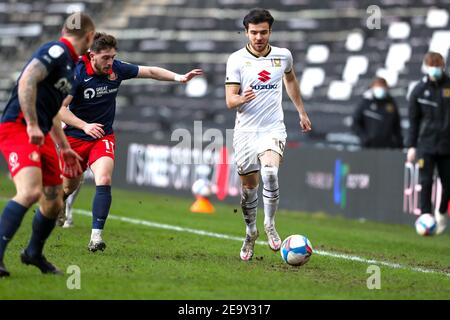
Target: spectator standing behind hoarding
x,y
429,134
376,120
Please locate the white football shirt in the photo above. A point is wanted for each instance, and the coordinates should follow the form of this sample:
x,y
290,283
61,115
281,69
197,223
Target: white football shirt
x,y
265,76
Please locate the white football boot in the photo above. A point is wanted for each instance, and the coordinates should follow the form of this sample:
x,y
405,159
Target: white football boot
x,y
248,246
272,237
96,242
441,220
68,223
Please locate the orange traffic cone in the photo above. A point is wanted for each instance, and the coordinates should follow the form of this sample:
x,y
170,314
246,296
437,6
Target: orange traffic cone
x,y
202,205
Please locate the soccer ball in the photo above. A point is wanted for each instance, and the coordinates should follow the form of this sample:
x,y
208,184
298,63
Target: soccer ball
x,y
201,188
296,250
426,225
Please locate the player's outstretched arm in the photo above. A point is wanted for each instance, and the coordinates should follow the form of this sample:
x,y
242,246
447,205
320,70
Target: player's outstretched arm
x,y
293,91
233,97
92,129
72,167
166,75
34,73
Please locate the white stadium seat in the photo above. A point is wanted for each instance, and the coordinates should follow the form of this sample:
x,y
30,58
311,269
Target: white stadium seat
x,y
339,90
354,67
399,30
317,54
311,78
437,18
355,41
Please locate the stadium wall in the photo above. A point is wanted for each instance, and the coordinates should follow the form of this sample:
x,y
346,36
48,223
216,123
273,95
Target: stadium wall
x,y
366,184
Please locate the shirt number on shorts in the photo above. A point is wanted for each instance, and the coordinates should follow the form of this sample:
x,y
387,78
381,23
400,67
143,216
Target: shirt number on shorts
x,y
280,144
109,146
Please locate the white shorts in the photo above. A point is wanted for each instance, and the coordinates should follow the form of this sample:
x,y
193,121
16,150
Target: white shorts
x,y
248,146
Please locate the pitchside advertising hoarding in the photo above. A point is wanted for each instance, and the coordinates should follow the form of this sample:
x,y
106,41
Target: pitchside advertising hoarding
x,y
368,184
174,168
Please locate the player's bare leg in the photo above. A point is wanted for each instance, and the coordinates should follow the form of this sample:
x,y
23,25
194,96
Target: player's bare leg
x,y
69,187
43,224
270,162
28,182
68,206
102,169
249,204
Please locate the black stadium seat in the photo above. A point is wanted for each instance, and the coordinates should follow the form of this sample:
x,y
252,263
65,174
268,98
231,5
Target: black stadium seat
x,y
184,34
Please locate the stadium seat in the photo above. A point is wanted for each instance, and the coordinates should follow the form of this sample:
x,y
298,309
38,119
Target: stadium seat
x,y
336,56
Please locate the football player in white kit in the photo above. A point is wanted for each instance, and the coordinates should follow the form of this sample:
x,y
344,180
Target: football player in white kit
x,y
254,81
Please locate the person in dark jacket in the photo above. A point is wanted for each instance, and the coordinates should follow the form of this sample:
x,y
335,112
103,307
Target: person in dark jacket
x,y
429,133
376,120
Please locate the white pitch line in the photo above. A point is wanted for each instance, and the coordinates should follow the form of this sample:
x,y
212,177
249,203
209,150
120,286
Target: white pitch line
x,y
228,237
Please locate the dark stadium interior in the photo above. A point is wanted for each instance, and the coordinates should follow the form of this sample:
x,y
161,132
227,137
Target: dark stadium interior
x,y
336,55
187,217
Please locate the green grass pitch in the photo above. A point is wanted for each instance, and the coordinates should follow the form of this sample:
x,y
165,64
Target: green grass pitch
x,y
150,262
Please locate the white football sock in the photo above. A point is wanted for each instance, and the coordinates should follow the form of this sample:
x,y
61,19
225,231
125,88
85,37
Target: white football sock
x,y
69,203
96,234
271,193
249,204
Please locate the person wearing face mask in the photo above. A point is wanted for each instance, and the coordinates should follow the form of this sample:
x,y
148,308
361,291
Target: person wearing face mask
x,y
376,120
429,134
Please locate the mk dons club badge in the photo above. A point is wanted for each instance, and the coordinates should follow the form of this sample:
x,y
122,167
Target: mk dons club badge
x,y
276,63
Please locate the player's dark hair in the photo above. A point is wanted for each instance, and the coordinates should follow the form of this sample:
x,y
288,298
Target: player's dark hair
x,y
433,59
379,80
103,41
256,16
78,24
